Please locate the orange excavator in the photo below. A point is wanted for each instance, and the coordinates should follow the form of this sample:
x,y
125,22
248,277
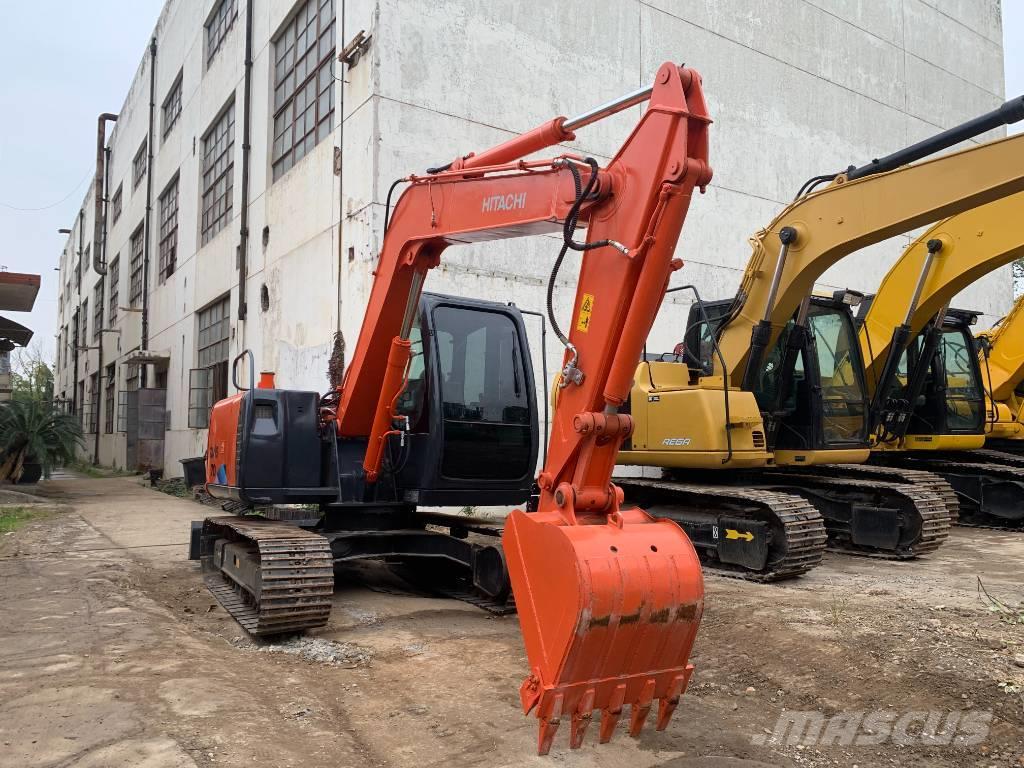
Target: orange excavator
x,y
438,408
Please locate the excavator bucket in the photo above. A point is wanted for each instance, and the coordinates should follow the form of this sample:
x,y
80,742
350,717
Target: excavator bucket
x,y
609,612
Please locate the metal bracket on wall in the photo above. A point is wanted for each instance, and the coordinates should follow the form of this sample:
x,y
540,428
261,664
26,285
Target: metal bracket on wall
x,y
355,48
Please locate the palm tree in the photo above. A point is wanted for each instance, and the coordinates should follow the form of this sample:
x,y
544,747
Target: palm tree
x,y
35,431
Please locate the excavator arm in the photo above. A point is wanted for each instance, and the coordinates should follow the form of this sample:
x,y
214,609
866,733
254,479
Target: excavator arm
x,y
609,599
859,208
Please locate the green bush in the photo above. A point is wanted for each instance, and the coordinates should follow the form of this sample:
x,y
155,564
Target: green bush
x,y
35,431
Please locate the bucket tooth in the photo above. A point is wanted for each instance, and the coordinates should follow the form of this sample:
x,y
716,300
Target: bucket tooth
x,y
581,719
610,715
668,703
640,708
549,722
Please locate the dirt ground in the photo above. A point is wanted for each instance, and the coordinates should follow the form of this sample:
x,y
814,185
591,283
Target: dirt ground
x,y
112,654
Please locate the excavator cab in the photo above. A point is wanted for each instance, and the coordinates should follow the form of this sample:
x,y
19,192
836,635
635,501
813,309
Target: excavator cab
x,y
821,402
470,405
950,400
466,432
825,401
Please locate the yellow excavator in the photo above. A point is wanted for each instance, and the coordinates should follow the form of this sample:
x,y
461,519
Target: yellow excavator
x,y
771,383
928,386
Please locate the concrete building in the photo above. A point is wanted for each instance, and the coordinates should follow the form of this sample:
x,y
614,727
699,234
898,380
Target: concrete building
x,y
217,243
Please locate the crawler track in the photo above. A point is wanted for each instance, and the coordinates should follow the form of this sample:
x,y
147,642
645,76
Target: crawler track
x,y
975,481
797,550
933,521
997,457
296,575
929,481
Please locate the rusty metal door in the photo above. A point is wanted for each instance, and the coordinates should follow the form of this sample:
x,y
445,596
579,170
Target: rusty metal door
x,y
152,417
131,429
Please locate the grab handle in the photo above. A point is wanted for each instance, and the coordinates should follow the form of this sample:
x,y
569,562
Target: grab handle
x,y
252,371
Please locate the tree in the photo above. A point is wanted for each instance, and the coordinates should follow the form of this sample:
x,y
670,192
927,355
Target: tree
x,y
31,375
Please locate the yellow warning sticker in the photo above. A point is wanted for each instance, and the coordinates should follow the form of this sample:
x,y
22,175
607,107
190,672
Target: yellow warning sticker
x,y
586,308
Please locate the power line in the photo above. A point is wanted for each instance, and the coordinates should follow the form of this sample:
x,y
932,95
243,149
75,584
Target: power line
x,y
51,205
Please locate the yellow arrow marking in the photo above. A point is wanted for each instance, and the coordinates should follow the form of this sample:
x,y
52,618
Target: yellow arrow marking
x,y
731,533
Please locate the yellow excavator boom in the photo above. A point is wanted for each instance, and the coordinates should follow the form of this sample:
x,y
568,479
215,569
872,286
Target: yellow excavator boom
x,y
973,243
823,227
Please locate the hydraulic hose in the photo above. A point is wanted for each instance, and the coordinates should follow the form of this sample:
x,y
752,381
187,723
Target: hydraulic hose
x,y
581,193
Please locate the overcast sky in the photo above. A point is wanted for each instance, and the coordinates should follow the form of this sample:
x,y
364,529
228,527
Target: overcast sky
x,y
59,75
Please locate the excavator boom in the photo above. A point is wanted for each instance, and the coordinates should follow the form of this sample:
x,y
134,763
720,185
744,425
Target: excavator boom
x,y
965,248
819,229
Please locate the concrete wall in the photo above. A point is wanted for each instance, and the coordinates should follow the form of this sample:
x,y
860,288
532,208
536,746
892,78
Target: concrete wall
x,y
796,87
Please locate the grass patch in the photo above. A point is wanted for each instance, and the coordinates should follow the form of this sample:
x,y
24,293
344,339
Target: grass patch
x,y
174,486
837,609
12,518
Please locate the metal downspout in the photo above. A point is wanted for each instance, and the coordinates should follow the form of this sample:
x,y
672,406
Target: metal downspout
x,y
144,345
99,255
99,238
78,311
243,240
341,172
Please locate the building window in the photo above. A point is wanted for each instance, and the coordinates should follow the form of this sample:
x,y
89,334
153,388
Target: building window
x,y
80,404
303,83
172,106
209,382
139,166
115,204
85,322
218,173
168,230
218,26
122,411
90,412
131,384
108,398
135,281
115,289
97,310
